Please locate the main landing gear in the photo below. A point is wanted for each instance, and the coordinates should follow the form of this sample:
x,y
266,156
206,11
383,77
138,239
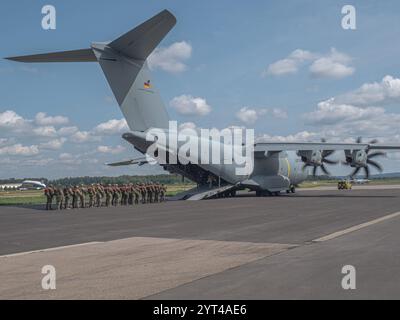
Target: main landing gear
x,y
291,190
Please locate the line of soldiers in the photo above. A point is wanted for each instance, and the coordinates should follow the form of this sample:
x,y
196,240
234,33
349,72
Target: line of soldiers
x,y
98,195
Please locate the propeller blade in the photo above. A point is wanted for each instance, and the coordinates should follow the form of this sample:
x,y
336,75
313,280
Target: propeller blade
x,y
366,169
375,164
315,171
345,163
375,141
355,172
323,168
329,161
376,154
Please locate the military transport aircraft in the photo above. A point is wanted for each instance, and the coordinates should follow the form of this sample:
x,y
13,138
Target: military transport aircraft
x,y
277,166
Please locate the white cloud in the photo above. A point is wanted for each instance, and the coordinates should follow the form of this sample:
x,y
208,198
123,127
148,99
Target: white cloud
x,y
65,156
19,150
291,64
187,125
67,131
355,113
328,112
48,131
84,136
171,59
43,120
11,120
335,65
249,115
188,105
54,144
303,136
111,150
112,127
332,65
388,90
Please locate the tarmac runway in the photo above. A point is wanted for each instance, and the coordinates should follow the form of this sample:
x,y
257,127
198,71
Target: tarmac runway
x,y
289,247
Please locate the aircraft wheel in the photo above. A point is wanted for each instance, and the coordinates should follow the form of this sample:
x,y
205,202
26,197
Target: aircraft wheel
x,y
293,189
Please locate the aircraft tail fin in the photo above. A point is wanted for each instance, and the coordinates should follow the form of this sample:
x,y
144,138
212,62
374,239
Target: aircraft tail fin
x,y
123,62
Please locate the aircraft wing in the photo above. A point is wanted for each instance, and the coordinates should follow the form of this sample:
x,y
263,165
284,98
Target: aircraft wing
x,y
139,162
311,146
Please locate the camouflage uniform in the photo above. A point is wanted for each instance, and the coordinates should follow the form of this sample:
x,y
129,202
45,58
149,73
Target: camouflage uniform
x,y
124,196
98,196
91,193
163,192
67,198
81,196
116,195
102,195
75,197
108,192
131,195
59,194
144,194
149,190
157,193
136,193
49,198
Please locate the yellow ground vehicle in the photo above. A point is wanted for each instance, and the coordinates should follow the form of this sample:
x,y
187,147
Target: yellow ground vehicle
x,y
345,185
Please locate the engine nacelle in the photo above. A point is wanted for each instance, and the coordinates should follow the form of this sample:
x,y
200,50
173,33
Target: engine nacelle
x,y
357,158
312,158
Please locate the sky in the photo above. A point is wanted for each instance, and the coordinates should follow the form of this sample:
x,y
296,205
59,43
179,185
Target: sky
x,y
285,68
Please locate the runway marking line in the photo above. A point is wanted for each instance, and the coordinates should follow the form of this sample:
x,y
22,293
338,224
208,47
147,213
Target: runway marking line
x,y
50,249
356,228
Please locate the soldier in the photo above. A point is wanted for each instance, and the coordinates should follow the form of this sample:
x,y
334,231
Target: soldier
x,y
98,196
74,197
49,198
144,193
102,195
149,190
131,195
123,195
59,194
163,191
157,192
81,197
136,193
108,192
91,193
67,198
82,193
116,195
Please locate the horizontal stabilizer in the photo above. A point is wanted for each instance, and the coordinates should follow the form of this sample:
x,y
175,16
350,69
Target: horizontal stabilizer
x,y
140,42
83,55
139,162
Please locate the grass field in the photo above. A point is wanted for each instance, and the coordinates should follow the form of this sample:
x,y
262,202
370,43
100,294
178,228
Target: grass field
x,y
22,198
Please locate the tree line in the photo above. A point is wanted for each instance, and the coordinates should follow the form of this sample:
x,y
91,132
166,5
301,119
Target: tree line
x,y
73,181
